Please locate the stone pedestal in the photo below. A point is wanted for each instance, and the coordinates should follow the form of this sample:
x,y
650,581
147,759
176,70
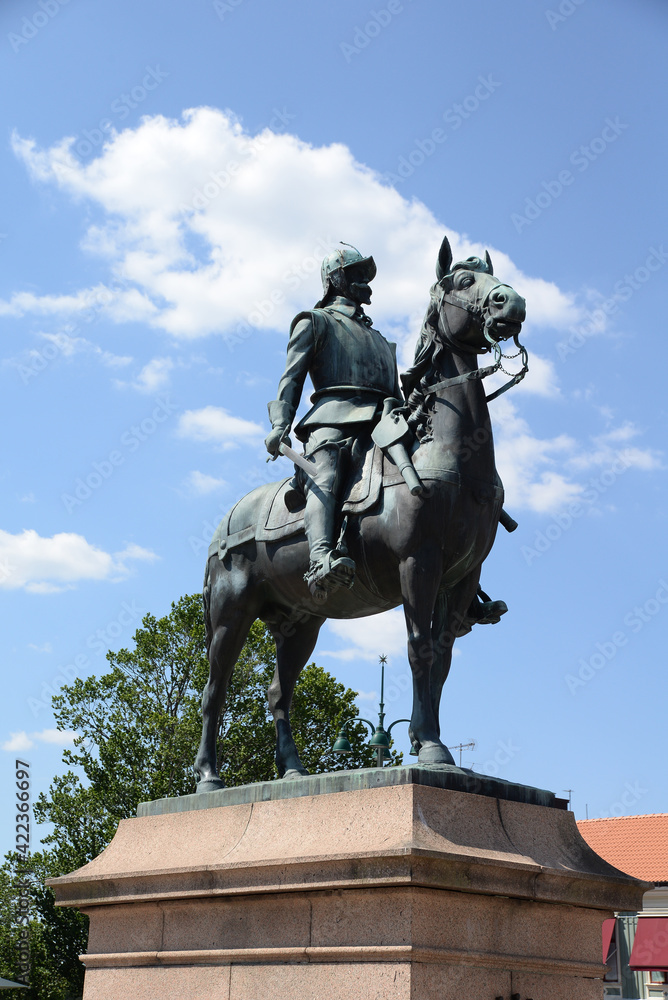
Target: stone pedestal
x,y
398,883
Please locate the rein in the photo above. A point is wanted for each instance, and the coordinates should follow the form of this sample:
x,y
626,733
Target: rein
x,y
478,310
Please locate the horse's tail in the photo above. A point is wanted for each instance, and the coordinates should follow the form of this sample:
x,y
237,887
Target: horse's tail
x,y
206,600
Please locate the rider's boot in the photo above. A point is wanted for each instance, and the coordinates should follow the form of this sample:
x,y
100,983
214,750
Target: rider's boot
x,y
485,611
329,567
482,611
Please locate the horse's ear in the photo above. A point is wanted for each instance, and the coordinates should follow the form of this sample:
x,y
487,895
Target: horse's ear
x,y
444,259
488,259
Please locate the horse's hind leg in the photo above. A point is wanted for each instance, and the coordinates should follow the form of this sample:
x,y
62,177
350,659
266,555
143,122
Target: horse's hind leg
x,y
294,645
228,635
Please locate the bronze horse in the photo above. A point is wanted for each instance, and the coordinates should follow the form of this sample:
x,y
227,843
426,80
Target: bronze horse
x,y
424,552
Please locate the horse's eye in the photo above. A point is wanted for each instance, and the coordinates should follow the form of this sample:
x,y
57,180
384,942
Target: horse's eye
x,y
466,281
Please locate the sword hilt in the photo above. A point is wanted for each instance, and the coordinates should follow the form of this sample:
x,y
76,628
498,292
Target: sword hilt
x,y
272,458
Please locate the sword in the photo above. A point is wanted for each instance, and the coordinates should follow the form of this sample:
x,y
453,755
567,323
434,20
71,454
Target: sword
x,y
298,460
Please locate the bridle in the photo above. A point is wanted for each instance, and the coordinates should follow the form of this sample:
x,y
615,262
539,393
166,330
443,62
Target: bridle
x,y
477,307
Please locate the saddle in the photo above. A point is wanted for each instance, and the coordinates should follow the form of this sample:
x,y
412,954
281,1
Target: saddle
x,y
264,514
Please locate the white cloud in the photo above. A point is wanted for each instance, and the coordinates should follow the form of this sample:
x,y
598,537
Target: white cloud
x,y
527,463
18,742
167,186
114,360
46,647
542,379
200,484
614,447
213,423
367,696
50,305
65,345
544,474
49,565
369,638
70,346
61,737
154,375
252,379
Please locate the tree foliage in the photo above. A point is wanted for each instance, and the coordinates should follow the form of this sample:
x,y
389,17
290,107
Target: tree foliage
x,y
57,936
138,728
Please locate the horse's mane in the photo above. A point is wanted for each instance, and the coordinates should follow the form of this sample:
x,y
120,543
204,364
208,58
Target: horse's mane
x,y
428,350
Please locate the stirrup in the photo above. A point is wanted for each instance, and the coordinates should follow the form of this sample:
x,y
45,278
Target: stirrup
x,y
329,573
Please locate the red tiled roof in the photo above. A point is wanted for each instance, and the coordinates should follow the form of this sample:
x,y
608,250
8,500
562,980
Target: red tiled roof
x,y
637,845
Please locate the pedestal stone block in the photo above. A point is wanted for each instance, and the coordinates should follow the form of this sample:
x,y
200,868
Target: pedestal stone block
x,y
401,883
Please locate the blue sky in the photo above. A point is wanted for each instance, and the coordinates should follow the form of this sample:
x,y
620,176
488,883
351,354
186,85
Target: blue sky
x,y
172,176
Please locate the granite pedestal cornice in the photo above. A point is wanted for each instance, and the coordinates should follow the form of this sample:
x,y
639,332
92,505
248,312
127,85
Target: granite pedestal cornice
x,y
393,834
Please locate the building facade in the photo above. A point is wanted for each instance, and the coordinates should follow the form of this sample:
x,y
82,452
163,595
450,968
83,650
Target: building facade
x,y
635,945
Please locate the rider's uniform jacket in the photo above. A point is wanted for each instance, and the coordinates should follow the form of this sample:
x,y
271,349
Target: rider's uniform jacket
x,y
353,368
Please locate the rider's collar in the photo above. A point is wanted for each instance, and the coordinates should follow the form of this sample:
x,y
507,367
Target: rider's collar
x,y
347,307
344,305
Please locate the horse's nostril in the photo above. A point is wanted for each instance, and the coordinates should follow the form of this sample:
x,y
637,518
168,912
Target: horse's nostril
x,y
499,297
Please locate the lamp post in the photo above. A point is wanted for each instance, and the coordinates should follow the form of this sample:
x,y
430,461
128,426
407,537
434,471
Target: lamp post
x,y
380,737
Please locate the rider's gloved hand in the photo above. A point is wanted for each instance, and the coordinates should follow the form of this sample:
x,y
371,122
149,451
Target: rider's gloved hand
x,y
274,438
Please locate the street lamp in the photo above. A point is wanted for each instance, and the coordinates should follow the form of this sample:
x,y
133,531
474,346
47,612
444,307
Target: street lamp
x,y
380,737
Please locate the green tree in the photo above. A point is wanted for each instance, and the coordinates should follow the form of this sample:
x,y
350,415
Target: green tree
x,y
138,729
57,936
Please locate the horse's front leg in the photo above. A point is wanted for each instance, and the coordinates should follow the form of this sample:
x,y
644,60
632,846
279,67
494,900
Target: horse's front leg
x,y
449,611
420,576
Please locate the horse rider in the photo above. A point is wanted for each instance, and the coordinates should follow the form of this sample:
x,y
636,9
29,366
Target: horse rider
x,y
353,369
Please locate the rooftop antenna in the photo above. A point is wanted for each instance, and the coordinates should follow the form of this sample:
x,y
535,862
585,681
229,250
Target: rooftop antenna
x,y
463,746
570,792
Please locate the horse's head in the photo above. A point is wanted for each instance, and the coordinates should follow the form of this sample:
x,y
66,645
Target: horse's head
x,y
469,312
475,310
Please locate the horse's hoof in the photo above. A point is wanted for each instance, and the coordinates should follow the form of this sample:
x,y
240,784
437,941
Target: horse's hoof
x,y
294,773
209,785
435,753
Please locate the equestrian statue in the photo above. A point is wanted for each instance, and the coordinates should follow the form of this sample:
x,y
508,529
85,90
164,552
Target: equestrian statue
x,y
395,499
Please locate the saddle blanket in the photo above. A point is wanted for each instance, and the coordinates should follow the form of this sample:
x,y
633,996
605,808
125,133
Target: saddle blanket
x,y
263,515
